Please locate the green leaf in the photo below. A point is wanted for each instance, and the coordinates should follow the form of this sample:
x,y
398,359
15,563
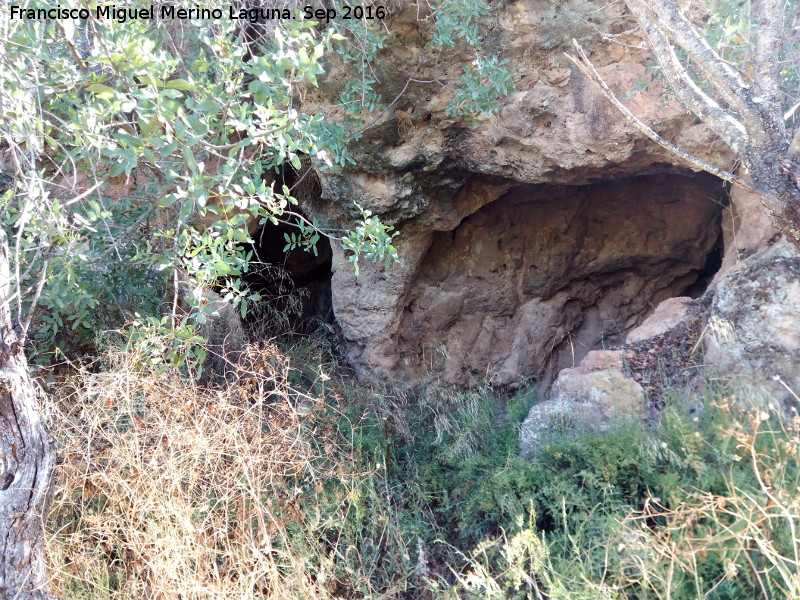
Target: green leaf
x,y
179,84
126,138
101,91
148,79
188,155
167,201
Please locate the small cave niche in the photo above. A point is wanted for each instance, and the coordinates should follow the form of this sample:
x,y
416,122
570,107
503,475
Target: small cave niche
x,y
295,285
532,282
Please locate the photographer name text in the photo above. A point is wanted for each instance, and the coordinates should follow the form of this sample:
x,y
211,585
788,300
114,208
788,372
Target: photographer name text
x,y
122,14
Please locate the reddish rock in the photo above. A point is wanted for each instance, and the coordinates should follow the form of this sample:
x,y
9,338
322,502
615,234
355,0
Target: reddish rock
x,y
668,315
530,283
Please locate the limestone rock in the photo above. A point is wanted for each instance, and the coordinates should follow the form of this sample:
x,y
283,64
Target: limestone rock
x,y
532,238
593,397
530,283
754,332
668,315
746,229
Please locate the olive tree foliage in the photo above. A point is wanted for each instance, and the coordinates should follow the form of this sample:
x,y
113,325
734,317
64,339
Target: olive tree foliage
x,y
740,75
137,150
134,152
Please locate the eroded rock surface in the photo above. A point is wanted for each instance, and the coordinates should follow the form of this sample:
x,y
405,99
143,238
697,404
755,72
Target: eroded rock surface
x,y
668,315
542,233
550,230
532,282
744,332
755,336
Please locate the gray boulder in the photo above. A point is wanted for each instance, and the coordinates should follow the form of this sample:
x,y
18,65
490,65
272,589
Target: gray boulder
x,y
753,335
594,397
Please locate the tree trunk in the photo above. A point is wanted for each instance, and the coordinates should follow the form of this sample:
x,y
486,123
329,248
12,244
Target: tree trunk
x,y
27,459
777,177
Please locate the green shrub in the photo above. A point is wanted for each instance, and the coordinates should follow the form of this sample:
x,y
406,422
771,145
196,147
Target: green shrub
x,y
719,522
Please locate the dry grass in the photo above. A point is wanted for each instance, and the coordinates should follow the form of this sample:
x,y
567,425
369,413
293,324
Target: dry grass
x,y
169,491
751,529
266,489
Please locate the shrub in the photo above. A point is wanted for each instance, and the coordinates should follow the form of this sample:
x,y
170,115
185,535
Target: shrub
x,y
723,536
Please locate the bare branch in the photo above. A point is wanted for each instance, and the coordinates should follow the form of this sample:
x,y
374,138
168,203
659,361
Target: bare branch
x,y
768,46
720,120
26,322
728,82
75,54
587,68
791,112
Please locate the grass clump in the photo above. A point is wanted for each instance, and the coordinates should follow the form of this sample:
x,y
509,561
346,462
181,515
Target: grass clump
x,y
720,521
295,482
290,483
166,490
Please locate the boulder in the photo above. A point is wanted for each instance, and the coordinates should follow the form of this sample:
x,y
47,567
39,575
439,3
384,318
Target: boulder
x,y
668,315
594,397
753,334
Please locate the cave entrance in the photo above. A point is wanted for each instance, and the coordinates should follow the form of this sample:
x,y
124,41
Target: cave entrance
x,y
533,281
295,285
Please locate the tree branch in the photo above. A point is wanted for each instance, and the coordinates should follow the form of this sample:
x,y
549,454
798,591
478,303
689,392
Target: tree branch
x,y
75,54
768,45
728,82
794,147
587,68
721,121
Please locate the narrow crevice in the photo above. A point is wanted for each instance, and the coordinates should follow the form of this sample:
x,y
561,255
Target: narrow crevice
x,y
709,270
295,285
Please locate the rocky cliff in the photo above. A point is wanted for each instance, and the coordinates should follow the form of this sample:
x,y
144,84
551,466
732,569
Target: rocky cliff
x,y
552,243
547,231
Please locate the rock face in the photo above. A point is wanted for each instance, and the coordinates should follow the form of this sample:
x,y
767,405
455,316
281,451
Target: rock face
x,y
545,232
592,398
754,332
748,322
551,230
530,283
533,281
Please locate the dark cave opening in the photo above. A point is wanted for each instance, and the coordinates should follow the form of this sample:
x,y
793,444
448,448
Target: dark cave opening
x,y
712,265
533,281
295,285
